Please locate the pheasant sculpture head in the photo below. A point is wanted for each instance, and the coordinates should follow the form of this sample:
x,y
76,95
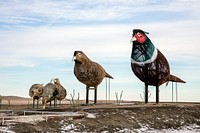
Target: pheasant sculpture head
x,y
143,50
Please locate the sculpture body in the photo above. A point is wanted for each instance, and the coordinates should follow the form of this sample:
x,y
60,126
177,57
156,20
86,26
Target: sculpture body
x,y
149,64
89,73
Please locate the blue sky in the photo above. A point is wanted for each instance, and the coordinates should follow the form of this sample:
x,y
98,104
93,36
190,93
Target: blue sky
x,y
38,39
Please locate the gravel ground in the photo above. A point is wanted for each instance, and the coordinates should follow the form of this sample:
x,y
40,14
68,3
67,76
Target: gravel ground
x,y
164,117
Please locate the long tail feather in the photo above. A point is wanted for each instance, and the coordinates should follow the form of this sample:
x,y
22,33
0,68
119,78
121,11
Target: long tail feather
x,y
176,79
109,76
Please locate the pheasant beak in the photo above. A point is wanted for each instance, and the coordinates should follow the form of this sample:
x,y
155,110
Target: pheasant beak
x,y
74,58
133,39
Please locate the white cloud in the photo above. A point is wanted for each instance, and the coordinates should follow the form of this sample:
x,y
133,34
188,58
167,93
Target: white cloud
x,y
48,12
19,45
102,41
60,42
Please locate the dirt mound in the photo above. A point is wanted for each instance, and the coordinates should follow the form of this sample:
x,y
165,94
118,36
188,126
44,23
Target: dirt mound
x,y
125,118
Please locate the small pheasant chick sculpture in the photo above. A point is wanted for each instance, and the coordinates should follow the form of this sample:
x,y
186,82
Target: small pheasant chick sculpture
x,y
36,93
149,64
89,73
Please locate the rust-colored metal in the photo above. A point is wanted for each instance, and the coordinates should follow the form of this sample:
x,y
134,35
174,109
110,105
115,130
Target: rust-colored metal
x,y
158,71
149,64
175,79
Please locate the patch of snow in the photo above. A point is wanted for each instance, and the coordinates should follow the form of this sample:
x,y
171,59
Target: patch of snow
x,y
185,129
65,128
132,117
144,129
104,132
158,118
125,130
5,130
62,122
89,115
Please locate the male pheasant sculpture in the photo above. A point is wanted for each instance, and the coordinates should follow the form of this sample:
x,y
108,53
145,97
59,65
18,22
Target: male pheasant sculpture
x,y
149,64
89,73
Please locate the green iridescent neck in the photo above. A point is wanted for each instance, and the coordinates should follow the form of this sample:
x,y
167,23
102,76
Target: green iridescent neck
x,y
143,53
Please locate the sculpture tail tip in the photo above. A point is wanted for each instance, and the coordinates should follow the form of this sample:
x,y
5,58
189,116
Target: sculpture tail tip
x,y
109,76
176,79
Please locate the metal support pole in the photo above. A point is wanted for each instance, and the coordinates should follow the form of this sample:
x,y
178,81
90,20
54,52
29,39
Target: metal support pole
x,y
109,89
176,93
106,91
172,91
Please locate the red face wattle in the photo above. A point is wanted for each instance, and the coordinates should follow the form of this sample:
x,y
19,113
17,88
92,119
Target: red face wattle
x,y
140,37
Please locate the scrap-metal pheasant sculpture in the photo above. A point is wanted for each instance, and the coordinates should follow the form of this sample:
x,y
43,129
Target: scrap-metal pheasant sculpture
x,y
89,73
149,64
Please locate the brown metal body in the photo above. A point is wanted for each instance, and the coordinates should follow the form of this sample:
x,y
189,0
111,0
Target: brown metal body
x,y
155,73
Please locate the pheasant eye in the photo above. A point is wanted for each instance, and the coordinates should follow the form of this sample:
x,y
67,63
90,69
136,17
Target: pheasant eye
x,y
79,54
138,34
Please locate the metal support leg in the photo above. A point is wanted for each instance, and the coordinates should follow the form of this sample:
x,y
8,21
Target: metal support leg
x,y
146,93
87,95
33,103
157,86
54,101
37,103
50,103
146,83
95,95
157,94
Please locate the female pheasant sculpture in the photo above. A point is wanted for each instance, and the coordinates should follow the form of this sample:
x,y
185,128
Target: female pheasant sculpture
x,y
62,93
89,73
149,64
